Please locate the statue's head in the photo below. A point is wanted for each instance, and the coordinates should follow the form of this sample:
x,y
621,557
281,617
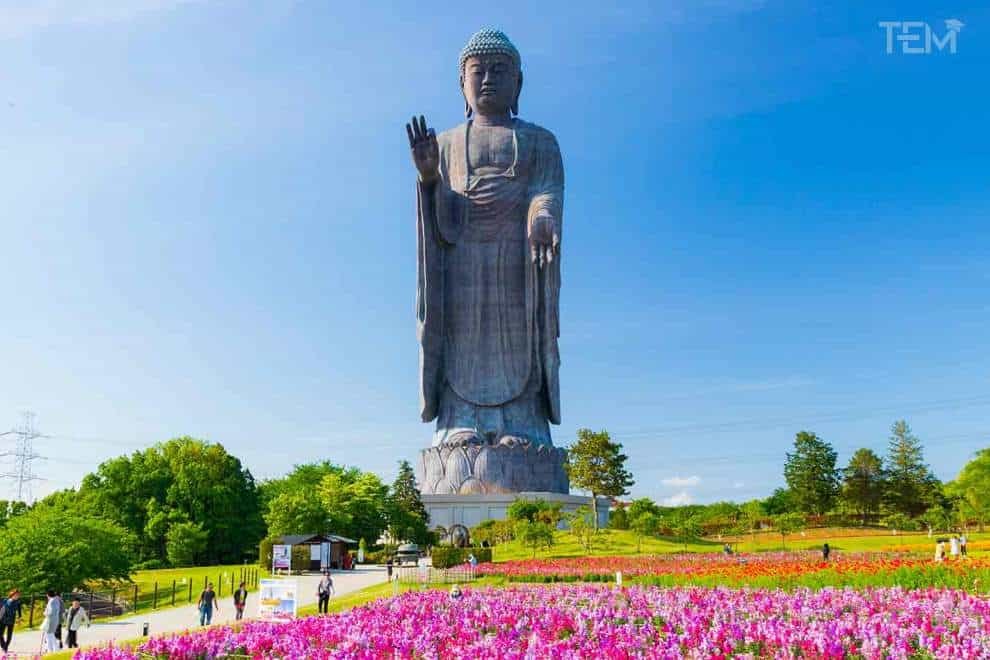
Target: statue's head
x,y
491,76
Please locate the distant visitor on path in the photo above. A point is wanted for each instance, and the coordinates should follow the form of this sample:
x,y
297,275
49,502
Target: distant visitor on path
x,y
954,547
207,601
962,545
49,643
240,600
826,551
940,550
10,613
726,549
60,604
75,618
388,569
323,592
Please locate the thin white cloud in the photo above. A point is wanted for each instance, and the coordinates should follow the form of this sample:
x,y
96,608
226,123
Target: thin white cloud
x,y
738,484
680,499
21,18
681,482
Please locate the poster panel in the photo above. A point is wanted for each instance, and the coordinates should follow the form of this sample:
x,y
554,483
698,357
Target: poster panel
x,y
281,557
277,599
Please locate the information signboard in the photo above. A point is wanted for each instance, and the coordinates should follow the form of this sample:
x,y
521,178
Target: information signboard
x,y
277,599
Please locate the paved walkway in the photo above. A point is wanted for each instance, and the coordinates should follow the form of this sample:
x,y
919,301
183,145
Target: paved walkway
x,y
187,617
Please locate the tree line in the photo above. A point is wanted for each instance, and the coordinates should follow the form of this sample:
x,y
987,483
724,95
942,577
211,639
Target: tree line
x,y
189,502
897,490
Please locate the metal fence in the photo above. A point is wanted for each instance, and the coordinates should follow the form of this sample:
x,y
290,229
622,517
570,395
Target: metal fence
x,y
431,575
128,598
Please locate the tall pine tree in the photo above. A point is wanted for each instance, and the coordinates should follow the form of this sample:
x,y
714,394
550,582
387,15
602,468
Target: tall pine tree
x,y
911,486
863,483
407,517
811,475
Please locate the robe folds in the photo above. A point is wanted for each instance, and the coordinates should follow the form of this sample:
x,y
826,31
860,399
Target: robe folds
x,y
487,315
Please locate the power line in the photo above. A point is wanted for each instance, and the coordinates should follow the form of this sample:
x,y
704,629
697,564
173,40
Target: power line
x,y
24,457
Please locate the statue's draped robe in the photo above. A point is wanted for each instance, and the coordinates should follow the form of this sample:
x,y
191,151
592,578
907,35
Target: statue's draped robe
x,y
487,315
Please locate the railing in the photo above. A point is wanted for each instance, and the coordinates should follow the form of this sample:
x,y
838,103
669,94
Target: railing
x,y
430,575
131,598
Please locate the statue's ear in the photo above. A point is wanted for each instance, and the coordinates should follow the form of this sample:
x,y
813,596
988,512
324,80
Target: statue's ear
x,y
467,106
515,102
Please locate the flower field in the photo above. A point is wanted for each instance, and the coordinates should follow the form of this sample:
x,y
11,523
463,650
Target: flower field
x,y
766,570
602,621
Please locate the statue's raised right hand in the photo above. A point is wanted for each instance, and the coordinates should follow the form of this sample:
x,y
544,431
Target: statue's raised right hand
x,y
425,151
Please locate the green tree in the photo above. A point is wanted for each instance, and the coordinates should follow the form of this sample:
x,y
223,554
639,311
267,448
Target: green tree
x,y
640,506
811,475
355,503
618,519
534,535
185,542
186,480
597,465
51,547
753,515
911,487
780,501
645,524
687,528
405,512
296,513
863,483
788,523
972,488
581,528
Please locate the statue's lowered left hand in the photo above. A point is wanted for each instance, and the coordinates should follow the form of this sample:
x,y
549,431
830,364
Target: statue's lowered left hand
x,y
544,239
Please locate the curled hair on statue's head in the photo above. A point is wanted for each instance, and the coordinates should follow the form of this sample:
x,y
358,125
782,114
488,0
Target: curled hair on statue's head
x,y
485,43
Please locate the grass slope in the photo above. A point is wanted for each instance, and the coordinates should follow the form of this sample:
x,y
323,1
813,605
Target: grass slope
x,y
624,542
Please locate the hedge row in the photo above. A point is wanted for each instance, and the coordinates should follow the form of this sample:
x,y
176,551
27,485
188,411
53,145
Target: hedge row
x,y
445,556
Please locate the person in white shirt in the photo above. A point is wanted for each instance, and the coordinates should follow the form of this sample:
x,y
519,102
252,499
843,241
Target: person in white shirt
x,y
954,547
49,643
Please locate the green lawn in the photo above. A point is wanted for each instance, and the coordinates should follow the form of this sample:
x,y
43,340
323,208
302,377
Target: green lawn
x,y
623,542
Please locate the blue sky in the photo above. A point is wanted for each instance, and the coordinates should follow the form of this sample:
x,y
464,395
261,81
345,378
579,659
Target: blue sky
x,y
770,225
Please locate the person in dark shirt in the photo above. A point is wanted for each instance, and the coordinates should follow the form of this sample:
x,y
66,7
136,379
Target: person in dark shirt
x,y
10,612
240,600
826,551
207,601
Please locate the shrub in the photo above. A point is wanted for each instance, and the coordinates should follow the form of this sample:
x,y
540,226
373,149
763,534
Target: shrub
x,y
300,558
149,565
265,553
446,556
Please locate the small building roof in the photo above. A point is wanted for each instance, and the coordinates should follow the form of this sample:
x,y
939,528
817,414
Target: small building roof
x,y
313,539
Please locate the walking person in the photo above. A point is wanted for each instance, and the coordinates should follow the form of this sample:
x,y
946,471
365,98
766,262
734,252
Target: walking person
x,y
207,601
10,613
75,618
323,592
954,547
60,605
240,600
49,643
826,551
962,544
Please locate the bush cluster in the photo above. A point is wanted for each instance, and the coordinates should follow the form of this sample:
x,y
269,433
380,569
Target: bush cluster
x,y
445,556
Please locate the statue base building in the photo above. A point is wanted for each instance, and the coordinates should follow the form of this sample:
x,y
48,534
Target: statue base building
x,y
500,468
470,510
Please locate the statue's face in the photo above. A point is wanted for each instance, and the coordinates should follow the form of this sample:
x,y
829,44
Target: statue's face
x,y
490,84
